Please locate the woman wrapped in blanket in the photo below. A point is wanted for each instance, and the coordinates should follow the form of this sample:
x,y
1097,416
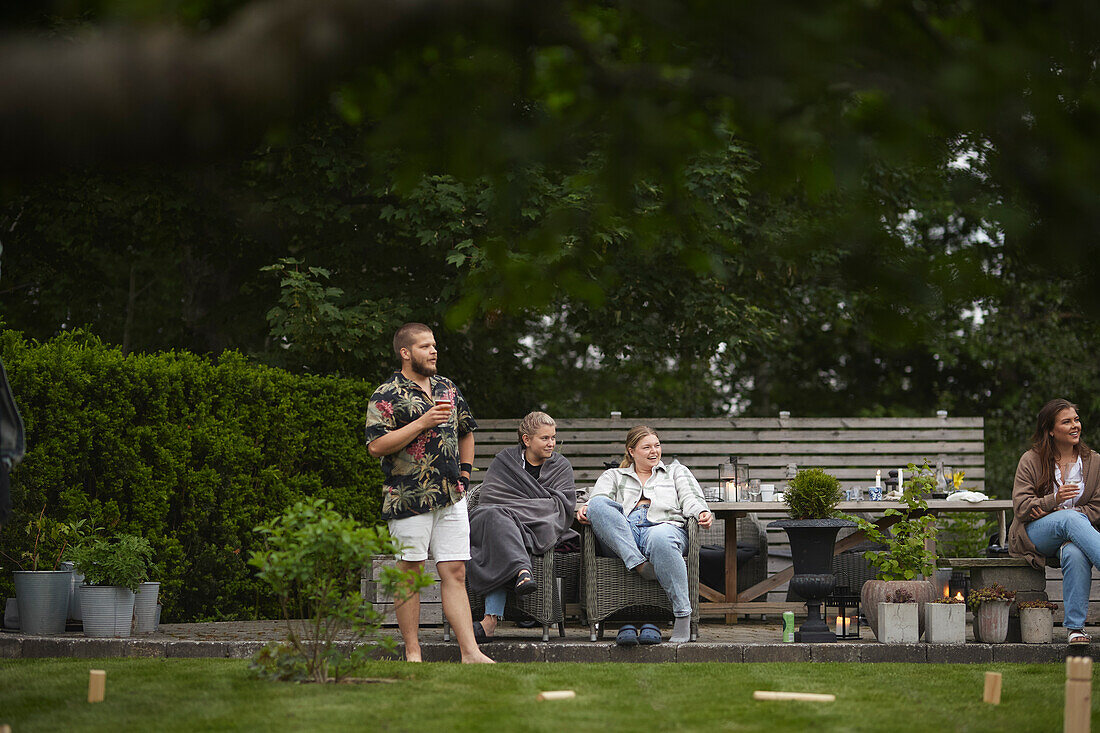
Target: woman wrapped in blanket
x,y
525,508
637,511
1056,500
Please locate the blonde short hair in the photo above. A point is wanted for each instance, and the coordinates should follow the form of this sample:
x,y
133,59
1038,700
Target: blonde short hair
x,y
530,424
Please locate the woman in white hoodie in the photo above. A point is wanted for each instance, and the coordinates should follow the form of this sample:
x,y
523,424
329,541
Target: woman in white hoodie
x,y
638,511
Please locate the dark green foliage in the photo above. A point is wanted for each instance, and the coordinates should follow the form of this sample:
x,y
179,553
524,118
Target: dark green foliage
x,y
188,452
907,555
122,561
813,494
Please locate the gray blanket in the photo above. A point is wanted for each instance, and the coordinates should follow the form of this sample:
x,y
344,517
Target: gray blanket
x,y
517,516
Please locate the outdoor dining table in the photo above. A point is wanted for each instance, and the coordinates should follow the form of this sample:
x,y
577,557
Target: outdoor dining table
x,y
730,603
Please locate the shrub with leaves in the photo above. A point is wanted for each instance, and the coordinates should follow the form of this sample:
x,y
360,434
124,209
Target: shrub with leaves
x,y
313,558
907,555
995,592
123,561
188,451
813,494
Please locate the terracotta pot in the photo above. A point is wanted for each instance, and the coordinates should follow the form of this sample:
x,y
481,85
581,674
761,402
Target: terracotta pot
x,y
1036,625
991,622
879,591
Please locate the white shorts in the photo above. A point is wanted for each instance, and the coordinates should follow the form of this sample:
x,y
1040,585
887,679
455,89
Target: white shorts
x,y
445,532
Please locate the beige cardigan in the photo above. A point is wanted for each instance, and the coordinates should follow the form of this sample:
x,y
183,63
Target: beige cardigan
x,y
1026,494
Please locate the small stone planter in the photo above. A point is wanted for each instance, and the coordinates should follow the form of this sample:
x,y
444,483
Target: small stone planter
x,y
898,623
991,622
1036,625
945,623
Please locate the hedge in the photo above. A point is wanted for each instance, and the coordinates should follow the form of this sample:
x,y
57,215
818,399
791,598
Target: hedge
x,y
189,452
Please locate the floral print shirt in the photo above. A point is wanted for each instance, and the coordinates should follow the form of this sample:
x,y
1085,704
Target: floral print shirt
x,y
423,475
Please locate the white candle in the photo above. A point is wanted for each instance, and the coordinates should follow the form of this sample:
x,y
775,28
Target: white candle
x,y
901,480
878,478
839,625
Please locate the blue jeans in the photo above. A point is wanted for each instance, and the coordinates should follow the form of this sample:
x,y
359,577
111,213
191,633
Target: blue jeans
x,y
635,539
494,602
1078,557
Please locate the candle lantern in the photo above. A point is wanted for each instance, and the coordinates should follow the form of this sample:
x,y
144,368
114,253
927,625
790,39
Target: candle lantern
x,y
733,480
846,618
941,580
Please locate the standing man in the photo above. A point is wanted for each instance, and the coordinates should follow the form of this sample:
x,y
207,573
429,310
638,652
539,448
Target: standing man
x,y
418,423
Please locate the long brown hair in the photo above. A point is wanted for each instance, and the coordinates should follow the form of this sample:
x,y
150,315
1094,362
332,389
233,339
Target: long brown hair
x,y
1043,441
633,438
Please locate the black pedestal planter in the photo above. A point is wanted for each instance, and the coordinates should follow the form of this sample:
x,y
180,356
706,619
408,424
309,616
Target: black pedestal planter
x,y
812,543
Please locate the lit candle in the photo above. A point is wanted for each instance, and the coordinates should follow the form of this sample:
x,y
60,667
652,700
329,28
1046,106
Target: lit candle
x,y
839,625
878,478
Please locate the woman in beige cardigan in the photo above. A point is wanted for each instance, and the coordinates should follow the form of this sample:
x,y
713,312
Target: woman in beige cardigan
x,y
1056,499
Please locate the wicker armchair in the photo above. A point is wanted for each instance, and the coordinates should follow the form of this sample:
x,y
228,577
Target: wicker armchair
x,y
608,589
544,606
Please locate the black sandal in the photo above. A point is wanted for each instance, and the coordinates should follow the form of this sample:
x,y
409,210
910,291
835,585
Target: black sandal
x,y
525,584
479,634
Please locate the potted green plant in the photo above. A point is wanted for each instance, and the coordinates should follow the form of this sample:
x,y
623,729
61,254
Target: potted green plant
x,y
1037,621
897,619
945,621
113,569
811,497
906,560
42,587
990,607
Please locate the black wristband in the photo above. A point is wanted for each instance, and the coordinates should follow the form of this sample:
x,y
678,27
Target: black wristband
x,y
465,483
467,467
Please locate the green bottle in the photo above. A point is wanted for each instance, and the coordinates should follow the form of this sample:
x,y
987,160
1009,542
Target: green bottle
x,y
788,626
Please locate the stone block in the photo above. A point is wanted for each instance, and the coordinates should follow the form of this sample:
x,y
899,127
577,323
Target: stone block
x,y
440,652
77,648
244,649
1014,578
778,652
908,653
699,652
1029,653
663,652
197,649
584,652
11,647
960,653
516,651
143,648
839,652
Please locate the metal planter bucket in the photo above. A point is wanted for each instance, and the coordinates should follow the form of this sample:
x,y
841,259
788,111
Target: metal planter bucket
x,y
74,596
108,610
145,608
43,600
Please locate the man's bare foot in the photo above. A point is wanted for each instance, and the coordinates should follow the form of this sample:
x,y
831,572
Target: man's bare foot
x,y
476,658
412,655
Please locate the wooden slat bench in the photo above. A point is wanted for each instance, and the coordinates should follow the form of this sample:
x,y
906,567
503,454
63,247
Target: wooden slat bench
x,y
849,448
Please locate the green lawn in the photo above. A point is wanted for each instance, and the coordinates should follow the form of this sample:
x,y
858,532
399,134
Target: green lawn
x,y
165,695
